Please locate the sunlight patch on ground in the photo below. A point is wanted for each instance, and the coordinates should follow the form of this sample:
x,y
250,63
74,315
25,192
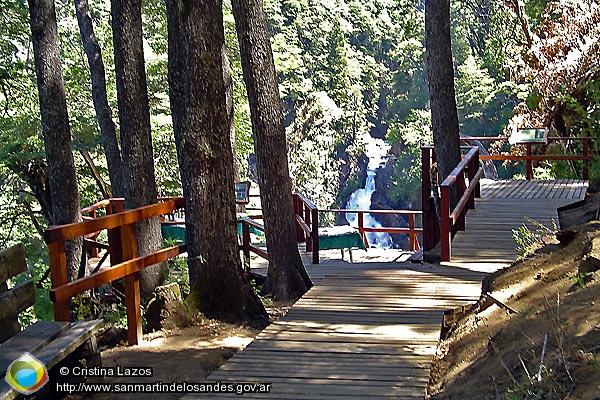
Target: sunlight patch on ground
x,y
235,341
155,342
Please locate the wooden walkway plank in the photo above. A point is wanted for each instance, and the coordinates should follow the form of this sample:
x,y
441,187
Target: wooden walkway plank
x,y
370,333
370,330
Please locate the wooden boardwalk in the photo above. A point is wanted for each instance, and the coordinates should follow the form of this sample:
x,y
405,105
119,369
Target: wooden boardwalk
x,y
487,244
369,330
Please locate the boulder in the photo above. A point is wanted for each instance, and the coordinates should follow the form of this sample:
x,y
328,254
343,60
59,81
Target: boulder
x,y
166,310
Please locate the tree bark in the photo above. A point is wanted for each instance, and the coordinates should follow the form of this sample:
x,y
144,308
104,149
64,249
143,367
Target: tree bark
x,y
230,107
202,137
62,178
287,278
103,111
444,116
139,183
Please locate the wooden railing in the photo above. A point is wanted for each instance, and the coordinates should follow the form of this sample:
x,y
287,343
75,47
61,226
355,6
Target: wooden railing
x,y
411,230
247,245
125,262
468,171
110,206
307,228
529,158
307,219
452,219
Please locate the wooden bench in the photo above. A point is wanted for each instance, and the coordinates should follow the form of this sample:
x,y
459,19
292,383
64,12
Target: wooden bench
x,y
48,341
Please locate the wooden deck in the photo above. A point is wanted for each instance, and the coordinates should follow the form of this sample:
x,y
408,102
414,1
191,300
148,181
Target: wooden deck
x,y
363,331
369,330
487,244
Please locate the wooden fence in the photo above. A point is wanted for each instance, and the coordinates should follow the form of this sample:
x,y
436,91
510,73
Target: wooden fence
x,y
125,262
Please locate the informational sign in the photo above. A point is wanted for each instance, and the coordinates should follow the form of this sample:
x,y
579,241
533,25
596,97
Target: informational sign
x,y
242,192
529,135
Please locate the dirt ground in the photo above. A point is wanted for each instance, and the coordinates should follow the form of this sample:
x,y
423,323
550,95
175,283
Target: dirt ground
x,y
187,354
543,343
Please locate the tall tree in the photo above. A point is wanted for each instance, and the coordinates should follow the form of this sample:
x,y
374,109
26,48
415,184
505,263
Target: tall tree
x,y
134,117
444,116
64,194
202,136
287,278
103,111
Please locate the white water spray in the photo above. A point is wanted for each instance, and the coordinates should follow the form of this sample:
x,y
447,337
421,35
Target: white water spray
x,y
376,150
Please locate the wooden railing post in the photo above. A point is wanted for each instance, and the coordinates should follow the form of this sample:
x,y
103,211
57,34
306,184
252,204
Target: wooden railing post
x,y
460,223
528,163
586,153
307,237
445,229
473,168
128,243
298,211
246,246
361,227
412,236
58,277
315,235
477,191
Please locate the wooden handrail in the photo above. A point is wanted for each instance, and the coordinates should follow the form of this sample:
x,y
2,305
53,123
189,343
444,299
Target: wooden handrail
x,y
307,218
303,225
411,231
529,158
556,138
465,198
76,229
95,206
123,254
390,212
306,201
118,271
246,246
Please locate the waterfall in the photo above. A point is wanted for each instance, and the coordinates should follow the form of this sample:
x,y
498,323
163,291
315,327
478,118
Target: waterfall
x,y
376,150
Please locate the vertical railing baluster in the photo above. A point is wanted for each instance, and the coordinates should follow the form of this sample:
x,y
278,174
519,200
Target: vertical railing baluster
x,y
58,277
128,238
308,236
315,235
446,224
361,227
246,245
412,235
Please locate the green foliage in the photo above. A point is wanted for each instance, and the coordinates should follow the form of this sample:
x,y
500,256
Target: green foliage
x,y
267,301
543,386
581,278
178,273
528,240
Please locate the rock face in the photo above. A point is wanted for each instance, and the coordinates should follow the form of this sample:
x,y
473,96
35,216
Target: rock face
x,y
380,202
166,310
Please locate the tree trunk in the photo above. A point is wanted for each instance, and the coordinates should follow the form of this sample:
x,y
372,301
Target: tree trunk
x,y
139,183
287,278
198,107
64,195
103,112
444,117
230,107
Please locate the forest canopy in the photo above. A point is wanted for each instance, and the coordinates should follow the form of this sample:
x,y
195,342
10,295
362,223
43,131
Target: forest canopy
x,y
347,70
